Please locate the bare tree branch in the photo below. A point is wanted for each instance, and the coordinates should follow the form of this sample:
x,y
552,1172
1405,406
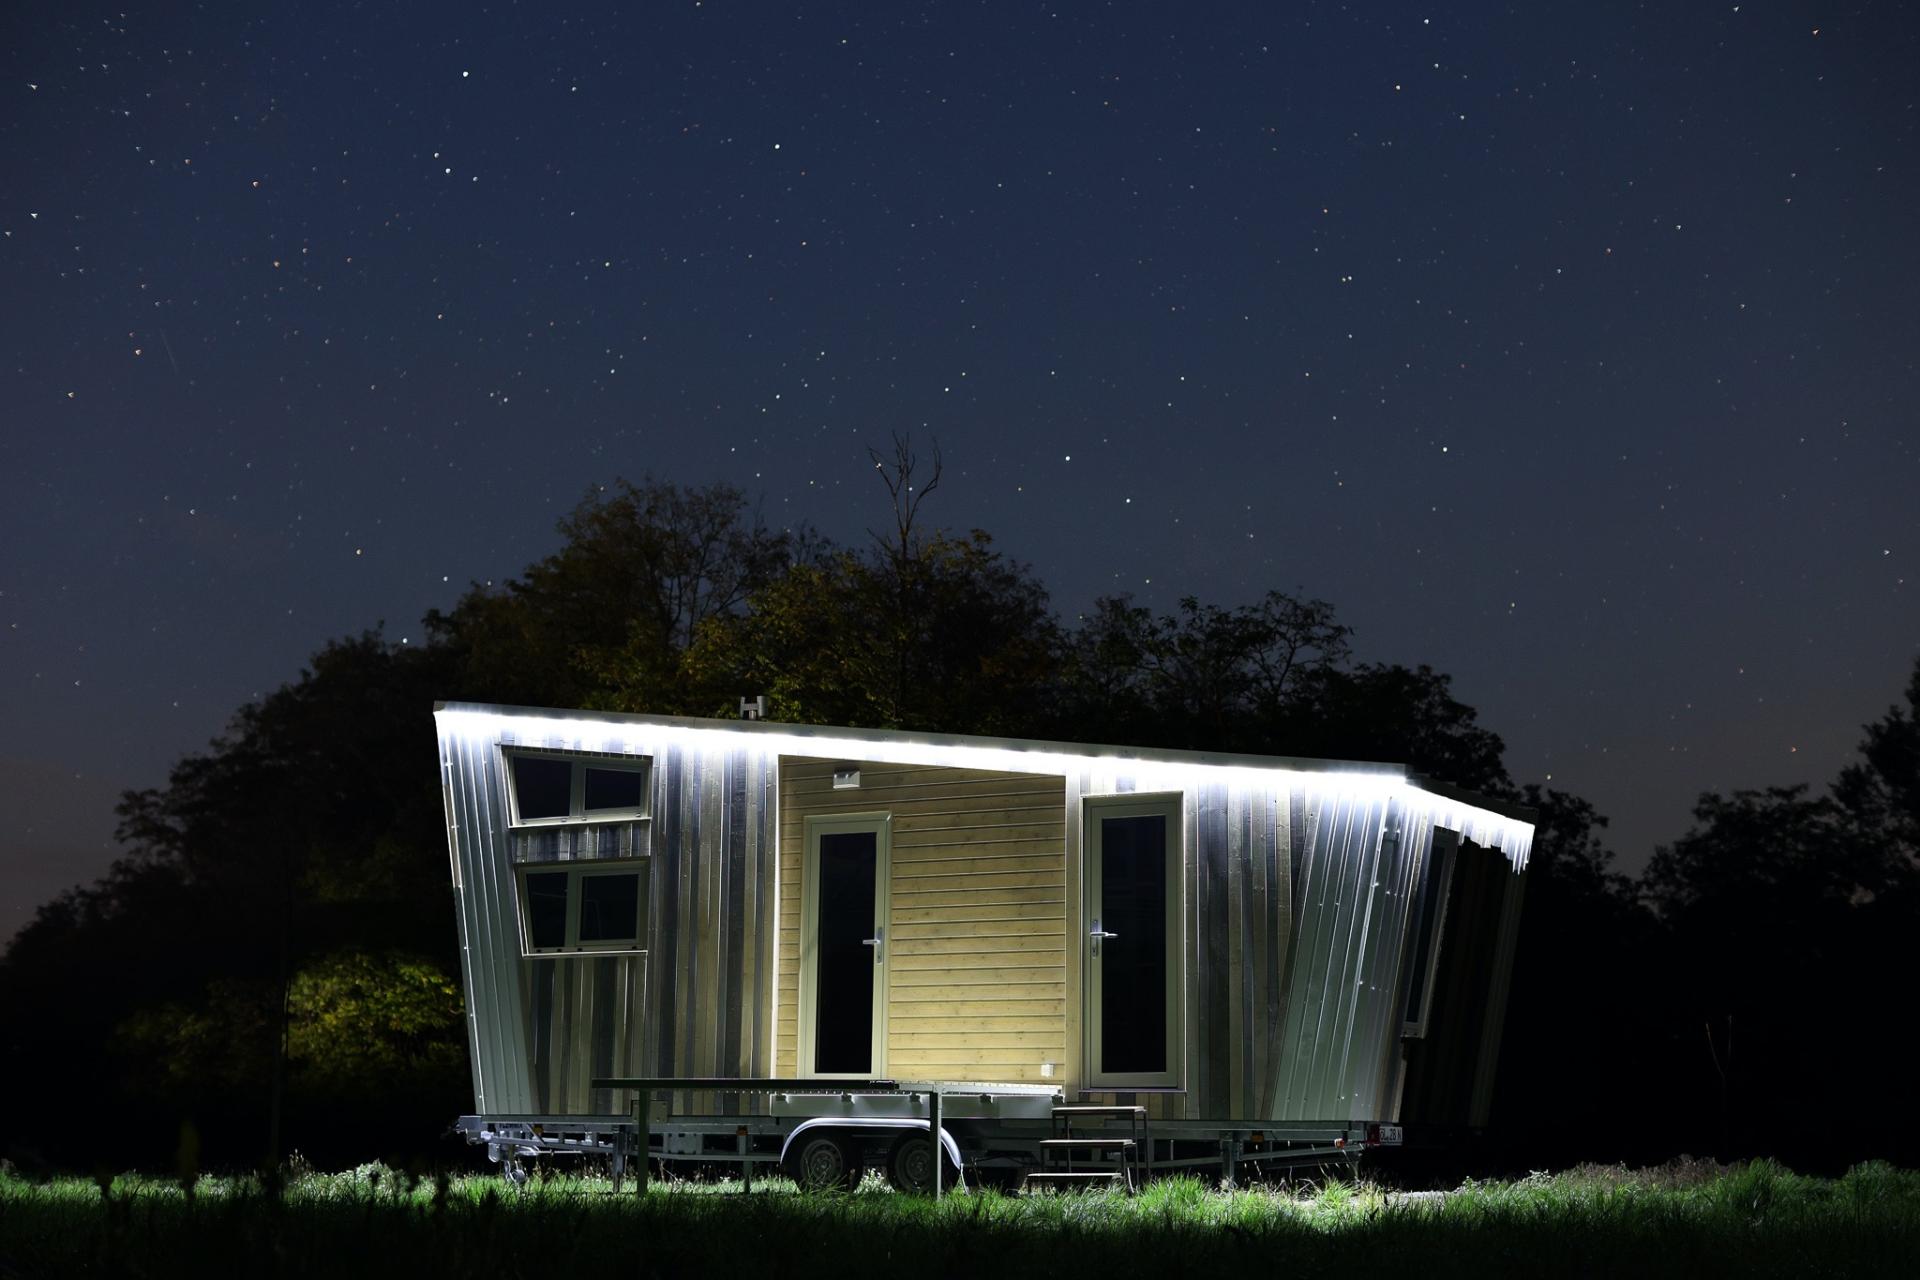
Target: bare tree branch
x,y
897,474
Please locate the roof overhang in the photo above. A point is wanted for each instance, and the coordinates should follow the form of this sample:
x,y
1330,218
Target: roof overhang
x,y
615,731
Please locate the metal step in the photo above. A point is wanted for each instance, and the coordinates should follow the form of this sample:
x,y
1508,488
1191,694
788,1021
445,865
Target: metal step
x,y
1077,1109
1060,1179
1104,1144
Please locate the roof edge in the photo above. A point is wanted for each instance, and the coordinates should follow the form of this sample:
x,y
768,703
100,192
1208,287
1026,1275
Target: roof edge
x,y
880,737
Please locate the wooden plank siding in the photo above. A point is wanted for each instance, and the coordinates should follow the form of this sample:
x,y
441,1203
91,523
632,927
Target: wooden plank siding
x,y
977,972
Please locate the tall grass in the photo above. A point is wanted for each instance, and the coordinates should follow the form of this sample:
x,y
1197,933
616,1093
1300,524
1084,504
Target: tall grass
x,y
1756,1219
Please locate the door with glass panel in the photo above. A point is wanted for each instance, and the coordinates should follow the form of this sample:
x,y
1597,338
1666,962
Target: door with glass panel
x,y
843,947
1134,942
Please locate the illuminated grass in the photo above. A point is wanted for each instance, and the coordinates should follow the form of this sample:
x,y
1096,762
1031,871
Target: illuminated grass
x,y
1753,1219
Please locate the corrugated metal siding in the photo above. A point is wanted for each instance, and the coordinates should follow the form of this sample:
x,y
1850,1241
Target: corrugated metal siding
x,y
1238,913
541,1027
1297,921
1362,861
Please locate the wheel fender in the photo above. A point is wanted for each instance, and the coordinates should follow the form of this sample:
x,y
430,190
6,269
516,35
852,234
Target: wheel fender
x,y
874,1123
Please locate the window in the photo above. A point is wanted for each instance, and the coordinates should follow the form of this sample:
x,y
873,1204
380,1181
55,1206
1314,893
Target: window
x,y
1135,948
845,951
550,788
583,907
1430,918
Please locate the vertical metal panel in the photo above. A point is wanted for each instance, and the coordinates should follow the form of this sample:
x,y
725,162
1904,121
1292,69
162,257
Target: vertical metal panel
x,y
1354,837
1480,1107
1239,1043
1277,920
491,917
1418,844
662,991
1214,872
541,1027
1328,959
1374,1035
1236,931
1074,1061
733,908
1316,905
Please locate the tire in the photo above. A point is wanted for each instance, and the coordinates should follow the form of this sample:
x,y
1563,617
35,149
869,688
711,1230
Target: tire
x,y
824,1162
910,1165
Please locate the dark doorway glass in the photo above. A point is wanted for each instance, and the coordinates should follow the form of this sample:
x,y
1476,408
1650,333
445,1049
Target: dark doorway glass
x,y
1133,965
610,908
542,787
546,909
1432,894
843,968
613,789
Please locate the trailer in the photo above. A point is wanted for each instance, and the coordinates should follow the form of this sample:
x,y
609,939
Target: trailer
x,y
752,944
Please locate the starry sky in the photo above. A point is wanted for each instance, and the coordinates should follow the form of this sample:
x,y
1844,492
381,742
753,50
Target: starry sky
x,y
1570,349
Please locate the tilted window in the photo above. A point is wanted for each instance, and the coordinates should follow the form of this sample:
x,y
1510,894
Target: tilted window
x,y
550,788
584,907
1429,924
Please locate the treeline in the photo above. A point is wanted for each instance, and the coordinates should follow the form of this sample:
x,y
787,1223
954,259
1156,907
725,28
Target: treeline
x,y
272,965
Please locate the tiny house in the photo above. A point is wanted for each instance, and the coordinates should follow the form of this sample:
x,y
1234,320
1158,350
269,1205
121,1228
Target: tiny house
x,y
718,940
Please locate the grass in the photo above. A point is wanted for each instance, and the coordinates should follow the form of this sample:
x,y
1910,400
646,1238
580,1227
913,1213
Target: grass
x,y
1683,1220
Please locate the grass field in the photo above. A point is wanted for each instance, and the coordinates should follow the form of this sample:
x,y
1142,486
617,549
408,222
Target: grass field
x,y
1689,1220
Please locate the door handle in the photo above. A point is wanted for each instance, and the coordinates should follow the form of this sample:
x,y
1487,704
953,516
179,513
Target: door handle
x,y
875,943
1096,934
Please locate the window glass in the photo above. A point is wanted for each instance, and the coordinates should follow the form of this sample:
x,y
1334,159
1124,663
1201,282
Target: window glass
x,y
547,909
1432,894
1133,906
610,908
843,991
542,787
614,788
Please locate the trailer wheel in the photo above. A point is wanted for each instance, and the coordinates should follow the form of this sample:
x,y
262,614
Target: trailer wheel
x,y
910,1165
825,1162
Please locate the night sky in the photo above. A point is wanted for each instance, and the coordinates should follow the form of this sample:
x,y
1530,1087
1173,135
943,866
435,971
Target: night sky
x,y
1569,349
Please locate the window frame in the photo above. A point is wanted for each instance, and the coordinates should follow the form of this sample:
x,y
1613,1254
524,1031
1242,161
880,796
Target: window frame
x,y
1172,805
577,813
576,872
1438,863
806,1044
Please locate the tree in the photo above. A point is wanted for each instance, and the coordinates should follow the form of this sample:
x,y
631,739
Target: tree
x,y
1580,1065
1404,714
954,638
922,630
1879,796
1788,913
312,825
1204,678
603,621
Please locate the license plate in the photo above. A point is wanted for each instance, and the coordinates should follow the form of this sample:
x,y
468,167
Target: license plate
x,y
1391,1135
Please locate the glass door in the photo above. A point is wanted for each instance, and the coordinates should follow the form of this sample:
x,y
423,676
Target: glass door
x,y
1134,942
844,945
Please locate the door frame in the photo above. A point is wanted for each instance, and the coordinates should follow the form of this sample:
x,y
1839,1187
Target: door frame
x,y
1171,805
881,824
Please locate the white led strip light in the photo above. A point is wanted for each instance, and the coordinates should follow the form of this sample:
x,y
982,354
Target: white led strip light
x,y
640,736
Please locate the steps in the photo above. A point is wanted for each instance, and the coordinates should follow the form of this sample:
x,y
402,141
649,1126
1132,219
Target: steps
x,y
1081,1161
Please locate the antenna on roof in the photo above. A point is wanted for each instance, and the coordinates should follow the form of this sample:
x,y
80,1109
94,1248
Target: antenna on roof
x,y
754,708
